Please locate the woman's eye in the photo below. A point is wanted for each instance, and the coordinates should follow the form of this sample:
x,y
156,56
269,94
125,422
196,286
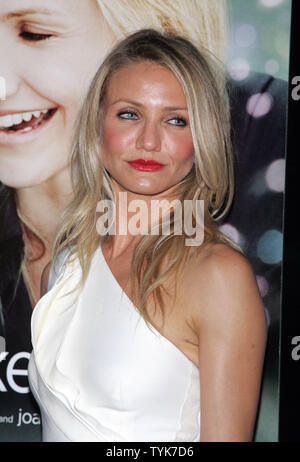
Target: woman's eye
x,y
33,37
127,115
178,121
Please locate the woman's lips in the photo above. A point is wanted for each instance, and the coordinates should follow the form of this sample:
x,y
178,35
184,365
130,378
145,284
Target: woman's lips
x,y
146,165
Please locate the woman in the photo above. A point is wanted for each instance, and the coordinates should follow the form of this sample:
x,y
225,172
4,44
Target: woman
x,y
116,329
49,53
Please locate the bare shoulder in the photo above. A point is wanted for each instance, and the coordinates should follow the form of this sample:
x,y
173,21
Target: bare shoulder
x,y
224,281
219,263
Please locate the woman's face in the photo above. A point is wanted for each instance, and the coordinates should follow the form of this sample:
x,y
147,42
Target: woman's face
x,y
49,52
146,119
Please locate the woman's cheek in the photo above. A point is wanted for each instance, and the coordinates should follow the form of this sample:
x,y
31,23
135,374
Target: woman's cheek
x,y
181,147
116,140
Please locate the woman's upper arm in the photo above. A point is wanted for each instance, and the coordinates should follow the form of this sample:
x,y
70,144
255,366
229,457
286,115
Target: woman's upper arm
x,y
232,332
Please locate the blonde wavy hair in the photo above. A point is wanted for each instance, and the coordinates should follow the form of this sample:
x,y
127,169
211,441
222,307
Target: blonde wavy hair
x,y
210,178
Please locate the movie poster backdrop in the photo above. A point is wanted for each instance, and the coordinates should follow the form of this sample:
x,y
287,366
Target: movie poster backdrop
x,y
257,62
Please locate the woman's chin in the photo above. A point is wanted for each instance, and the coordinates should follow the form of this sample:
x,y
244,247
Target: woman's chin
x,y
142,191
143,188
22,181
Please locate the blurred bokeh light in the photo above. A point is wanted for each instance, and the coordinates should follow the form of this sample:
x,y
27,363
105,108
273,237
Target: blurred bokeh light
x,y
259,37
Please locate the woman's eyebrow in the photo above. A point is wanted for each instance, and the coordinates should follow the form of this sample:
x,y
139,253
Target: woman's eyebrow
x,y
136,103
27,12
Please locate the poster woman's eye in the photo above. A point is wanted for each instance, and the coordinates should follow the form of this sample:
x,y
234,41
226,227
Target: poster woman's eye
x,y
33,37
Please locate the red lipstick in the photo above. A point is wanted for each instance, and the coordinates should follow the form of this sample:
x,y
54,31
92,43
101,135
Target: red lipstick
x,y
146,165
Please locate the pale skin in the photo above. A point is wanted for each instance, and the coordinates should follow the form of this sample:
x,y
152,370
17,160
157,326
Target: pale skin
x,y
217,318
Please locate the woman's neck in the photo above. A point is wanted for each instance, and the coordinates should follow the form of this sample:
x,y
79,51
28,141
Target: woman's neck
x,y
41,205
135,214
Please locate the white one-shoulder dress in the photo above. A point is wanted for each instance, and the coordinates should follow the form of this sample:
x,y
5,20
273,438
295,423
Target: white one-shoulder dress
x,y
99,373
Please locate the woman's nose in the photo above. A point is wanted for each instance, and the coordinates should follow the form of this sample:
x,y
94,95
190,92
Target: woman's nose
x,y
149,137
2,88
9,80
9,85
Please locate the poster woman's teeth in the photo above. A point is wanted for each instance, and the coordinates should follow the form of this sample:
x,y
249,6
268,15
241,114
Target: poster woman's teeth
x,y
24,121
9,120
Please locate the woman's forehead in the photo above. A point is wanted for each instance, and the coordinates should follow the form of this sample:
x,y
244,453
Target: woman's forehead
x,y
148,81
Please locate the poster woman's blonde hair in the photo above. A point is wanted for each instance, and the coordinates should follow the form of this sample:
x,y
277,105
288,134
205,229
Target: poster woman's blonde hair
x,y
204,22
210,178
